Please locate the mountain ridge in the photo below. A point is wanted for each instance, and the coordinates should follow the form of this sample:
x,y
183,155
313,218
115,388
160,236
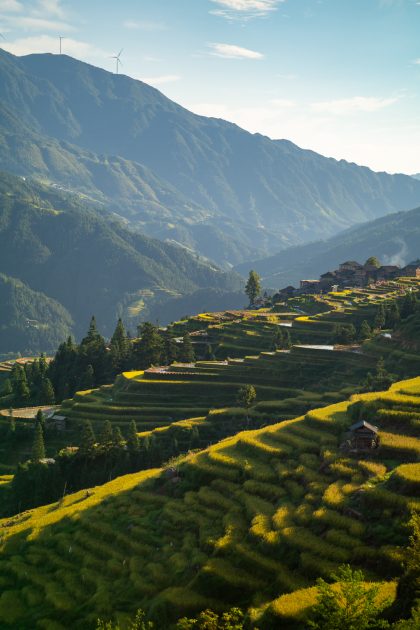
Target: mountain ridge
x,y
263,194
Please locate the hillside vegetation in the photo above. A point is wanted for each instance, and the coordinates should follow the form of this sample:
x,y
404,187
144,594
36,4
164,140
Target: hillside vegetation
x,y
30,321
243,522
206,183
182,406
76,253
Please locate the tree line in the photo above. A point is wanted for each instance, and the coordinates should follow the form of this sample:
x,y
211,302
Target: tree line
x,y
92,363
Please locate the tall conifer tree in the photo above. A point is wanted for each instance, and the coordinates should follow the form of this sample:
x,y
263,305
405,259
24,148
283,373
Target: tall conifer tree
x,y
38,446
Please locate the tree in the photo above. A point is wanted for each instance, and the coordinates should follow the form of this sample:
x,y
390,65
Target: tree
x,y
87,379
347,604
40,418
344,333
38,446
7,388
380,317
92,334
392,315
380,380
246,396
408,588
150,348
365,331
132,438
21,392
87,439
117,438
171,350
409,305
119,348
106,436
63,369
253,286
373,262
92,350
187,354
47,392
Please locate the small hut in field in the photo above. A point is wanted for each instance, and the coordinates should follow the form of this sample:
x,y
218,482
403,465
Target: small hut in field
x,y
363,435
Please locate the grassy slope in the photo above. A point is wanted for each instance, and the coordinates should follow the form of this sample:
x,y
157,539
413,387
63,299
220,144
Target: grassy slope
x,y
255,516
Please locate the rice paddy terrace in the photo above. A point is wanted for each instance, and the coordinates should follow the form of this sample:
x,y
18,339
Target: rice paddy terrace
x,y
309,319
245,522
288,382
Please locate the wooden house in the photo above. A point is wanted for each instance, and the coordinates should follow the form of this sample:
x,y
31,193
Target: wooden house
x,y
363,435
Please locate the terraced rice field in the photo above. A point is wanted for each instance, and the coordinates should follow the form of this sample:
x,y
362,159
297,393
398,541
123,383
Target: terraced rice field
x,y
158,397
240,333
244,522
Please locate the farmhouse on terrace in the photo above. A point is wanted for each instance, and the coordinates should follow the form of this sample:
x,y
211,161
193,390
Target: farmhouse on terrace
x,y
352,274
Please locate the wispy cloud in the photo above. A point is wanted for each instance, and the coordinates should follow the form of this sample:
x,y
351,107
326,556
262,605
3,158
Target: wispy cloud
x,y
39,15
230,51
48,44
245,9
49,7
345,106
417,61
38,24
11,6
140,25
165,78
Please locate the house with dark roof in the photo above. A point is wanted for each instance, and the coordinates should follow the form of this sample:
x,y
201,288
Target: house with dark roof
x,y
363,435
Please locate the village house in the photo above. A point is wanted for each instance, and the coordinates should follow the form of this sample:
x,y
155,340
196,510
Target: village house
x,y
351,274
412,270
363,436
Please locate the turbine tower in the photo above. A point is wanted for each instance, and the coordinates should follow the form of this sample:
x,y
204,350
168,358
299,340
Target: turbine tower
x,y
117,59
61,39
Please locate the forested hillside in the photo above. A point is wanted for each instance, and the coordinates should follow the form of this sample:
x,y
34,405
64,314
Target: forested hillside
x,y
393,239
31,322
76,253
200,181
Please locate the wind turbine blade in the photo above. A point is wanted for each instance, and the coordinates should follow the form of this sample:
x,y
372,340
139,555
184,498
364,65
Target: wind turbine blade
x,y
119,54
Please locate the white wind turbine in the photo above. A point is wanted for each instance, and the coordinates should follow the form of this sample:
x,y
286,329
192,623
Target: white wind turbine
x,y
117,59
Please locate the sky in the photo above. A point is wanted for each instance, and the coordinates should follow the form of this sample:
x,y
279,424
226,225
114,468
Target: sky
x,y
340,77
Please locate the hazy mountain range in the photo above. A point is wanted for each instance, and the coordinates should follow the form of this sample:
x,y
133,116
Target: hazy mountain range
x,y
394,239
203,182
64,259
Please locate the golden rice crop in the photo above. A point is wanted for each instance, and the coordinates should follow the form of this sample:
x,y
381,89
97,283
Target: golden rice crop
x,y
354,527
307,541
374,469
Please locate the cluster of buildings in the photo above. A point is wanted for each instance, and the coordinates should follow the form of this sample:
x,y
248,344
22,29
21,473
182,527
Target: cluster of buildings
x,y
352,274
